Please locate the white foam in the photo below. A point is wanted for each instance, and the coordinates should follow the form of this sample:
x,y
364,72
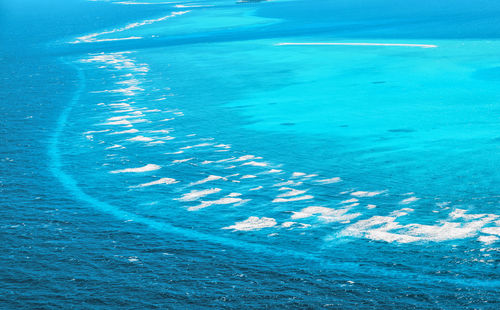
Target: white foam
x,y
350,200
248,176
291,192
401,212
253,223
408,200
233,195
306,197
197,194
208,179
274,171
288,224
156,142
93,37
461,214
157,182
221,201
243,158
330,181
487,239
174,153
366,194
288,183
298,174
116,146
96,131
254,163
310,211
146,168
225,146
256,188
140,139
182,160
197,145
385,228
122,122
117,118
133,130
326,214
491,230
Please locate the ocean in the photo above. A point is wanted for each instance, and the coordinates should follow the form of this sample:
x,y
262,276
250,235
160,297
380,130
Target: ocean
x,y
250,154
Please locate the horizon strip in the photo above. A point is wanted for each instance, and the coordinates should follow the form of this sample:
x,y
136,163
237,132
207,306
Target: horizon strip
x,y
359,44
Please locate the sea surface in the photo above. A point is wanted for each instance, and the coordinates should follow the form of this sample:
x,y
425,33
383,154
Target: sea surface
x,y
250,155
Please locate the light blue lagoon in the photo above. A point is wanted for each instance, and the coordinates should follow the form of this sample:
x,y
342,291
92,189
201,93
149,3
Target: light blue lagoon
x,y
260,154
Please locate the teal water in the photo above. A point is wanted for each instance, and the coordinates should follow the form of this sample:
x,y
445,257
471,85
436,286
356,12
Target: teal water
x,y
179,155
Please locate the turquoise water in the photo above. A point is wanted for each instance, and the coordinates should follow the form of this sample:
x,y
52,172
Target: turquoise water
x,y
180,155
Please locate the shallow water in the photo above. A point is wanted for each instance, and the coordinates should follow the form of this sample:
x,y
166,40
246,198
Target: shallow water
x,y
179,155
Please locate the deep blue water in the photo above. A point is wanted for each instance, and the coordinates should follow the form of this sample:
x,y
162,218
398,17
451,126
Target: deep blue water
x,y
175,155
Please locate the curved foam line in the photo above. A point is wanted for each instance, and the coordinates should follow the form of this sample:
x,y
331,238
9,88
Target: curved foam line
x,y
345,268
359,44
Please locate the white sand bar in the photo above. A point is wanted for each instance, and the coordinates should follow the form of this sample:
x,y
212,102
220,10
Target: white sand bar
x,y
360,44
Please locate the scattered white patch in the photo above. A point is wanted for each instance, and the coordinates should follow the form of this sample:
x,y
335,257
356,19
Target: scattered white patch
x,y
181,160
225,146
96,131
350,200
243,158
256,188
253,223
233,195
222,201
148,167
254,163
306,197
491,230
157,182
288,183
122,122
298,174
197,194
326,214
408,200
288,224
208,179
461,214
366,194
401,212
140,139
487,239
386,228
116,146
291,192
329,181
156,142
248,176
371,206
133,130
197,145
